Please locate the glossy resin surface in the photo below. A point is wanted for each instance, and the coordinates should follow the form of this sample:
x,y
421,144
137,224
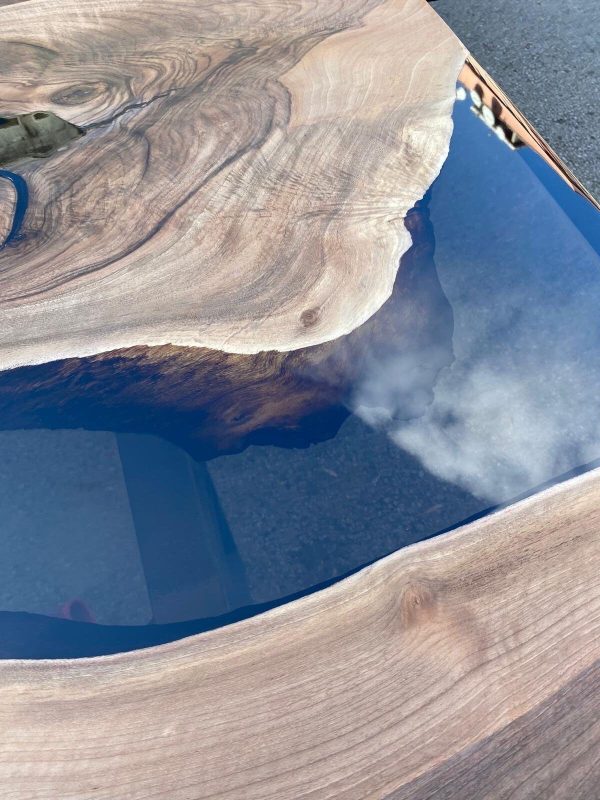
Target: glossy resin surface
x,y
150,492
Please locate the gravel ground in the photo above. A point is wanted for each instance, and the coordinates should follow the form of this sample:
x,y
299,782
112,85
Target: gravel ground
x,y
546,56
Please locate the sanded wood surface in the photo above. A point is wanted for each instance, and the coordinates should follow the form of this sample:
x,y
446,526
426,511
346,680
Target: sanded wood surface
x,y
212,402
244,176
239,181
462,667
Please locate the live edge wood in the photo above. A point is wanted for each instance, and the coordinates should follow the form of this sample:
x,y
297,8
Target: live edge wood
x,y
463,668
211,402
244,177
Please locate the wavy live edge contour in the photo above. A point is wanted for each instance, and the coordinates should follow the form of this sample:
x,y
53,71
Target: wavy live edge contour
x,y
211,402
244,178
464,666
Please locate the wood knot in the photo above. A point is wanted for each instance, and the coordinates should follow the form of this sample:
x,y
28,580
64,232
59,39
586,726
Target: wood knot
x,y
78,94
309,317
417,604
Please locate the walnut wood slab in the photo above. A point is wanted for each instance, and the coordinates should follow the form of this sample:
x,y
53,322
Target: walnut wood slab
x,y
462,667
244,177
228,205
211,402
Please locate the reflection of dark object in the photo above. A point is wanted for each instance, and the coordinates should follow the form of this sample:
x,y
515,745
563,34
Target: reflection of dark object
x,y
492,117
210,402
191,565
33,636
497,110
189,561
76,610
36,135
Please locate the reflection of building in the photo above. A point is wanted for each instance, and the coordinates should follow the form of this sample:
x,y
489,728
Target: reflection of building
x,y
36,135
491,115
494,108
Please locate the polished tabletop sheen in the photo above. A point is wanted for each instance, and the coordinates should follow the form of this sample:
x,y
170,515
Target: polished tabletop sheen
x,y
299,412
154,487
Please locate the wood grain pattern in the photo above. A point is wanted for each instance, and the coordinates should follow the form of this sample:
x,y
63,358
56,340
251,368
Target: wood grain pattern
x,y
210,402
244,186
551,751
450,668
245,174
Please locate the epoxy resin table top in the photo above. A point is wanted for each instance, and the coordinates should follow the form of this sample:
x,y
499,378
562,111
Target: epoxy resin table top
x,y
284,287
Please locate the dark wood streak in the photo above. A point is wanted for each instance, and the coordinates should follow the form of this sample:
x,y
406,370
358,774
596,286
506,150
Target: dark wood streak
x,y
185,101
193,101
551,751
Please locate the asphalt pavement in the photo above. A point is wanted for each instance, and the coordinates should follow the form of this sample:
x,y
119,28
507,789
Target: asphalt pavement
x,y
546,56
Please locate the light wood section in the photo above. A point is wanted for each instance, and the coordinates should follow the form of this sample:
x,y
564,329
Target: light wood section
x,y
210,402
8,201
244,178
452,667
